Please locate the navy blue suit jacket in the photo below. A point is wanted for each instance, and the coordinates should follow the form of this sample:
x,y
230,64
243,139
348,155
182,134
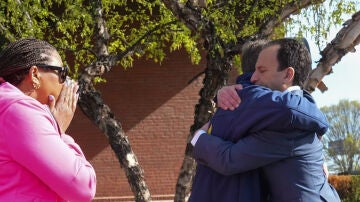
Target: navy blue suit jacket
x,y
209,185
278,131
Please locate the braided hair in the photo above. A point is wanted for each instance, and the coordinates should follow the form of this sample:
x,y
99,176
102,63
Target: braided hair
x,y
17,58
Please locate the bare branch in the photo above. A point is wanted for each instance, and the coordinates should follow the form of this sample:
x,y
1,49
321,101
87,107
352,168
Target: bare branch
x,y
187,13
268,27
28,18
137,43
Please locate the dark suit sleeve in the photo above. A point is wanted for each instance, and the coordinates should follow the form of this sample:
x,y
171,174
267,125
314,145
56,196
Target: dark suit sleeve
x,y
248,153
275,110
273,117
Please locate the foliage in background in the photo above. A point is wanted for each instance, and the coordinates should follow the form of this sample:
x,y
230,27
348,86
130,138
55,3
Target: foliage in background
x,y
316,21
69,25
347,186
342,141
150,29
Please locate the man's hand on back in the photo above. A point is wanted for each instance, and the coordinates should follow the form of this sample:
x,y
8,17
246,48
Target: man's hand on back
x,y
227,97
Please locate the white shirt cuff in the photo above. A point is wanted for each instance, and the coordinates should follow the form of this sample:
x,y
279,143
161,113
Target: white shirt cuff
x,y
196,136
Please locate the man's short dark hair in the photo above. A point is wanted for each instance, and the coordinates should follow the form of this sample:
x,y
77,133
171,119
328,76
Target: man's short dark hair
x,y
249,54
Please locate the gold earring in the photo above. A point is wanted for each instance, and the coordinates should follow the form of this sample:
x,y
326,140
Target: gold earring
x,y
36,85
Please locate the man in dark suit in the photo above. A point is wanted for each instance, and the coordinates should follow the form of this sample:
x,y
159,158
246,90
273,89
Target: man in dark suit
x,y
212,186
288,150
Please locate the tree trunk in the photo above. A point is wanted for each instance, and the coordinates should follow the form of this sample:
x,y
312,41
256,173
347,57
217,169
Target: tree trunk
x,y
219,62
94,108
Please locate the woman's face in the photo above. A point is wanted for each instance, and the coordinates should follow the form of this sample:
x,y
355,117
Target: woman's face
x,y
49,79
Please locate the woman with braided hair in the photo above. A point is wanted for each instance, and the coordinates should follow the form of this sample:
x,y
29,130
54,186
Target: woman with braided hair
x,y
38,161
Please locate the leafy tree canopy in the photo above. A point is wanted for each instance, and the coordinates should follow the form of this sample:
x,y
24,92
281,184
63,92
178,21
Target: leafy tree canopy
x,y
69,25
150,29
317,20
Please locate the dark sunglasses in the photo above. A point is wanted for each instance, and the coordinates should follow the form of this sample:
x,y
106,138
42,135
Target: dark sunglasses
x,y
62,71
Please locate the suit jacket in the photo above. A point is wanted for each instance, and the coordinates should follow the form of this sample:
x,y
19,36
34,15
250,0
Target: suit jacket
x,y
278,131
209,185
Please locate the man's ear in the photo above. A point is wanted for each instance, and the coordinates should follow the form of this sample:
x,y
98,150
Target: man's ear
x,y
290,74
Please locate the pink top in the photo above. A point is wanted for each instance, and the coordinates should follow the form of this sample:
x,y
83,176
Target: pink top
x,y
37,163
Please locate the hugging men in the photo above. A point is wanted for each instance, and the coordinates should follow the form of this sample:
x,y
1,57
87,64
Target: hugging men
x,y
268,148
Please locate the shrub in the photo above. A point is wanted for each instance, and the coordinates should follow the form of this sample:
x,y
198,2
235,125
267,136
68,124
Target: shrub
x,y
342,184
347,186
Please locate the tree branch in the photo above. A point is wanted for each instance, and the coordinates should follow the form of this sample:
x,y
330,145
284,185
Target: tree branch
x,y
188,14
345,41
136,44
27,16
268,27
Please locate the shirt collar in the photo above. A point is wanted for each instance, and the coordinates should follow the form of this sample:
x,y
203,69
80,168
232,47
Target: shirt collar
x,y
293,88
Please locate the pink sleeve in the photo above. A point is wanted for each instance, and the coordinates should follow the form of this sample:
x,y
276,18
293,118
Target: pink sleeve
x,y
57,161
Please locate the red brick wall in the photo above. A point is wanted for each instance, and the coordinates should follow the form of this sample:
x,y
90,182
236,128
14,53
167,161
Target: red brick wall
x,y
155,105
